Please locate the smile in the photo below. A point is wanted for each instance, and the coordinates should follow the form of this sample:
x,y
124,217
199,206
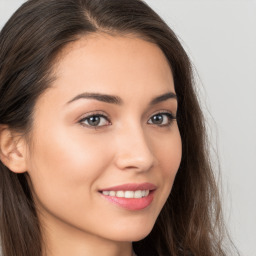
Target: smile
x,y
132,196
127,194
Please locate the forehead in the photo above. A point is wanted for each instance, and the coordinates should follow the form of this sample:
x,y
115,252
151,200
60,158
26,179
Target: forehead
x,y
115,65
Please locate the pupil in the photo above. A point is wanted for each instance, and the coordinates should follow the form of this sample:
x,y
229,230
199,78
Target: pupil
x,y
94,120
158,119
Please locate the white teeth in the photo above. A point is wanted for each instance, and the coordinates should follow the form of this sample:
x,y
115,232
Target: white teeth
x,y
112,193
127,194
120,193
138,194
106,193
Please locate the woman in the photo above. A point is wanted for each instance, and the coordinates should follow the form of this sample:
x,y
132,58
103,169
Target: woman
x,y
102,141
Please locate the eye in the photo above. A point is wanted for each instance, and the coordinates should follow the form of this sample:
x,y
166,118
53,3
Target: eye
x,y
95,120
162,119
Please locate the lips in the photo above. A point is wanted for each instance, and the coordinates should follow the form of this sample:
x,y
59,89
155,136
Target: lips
x,y
130,196
131,187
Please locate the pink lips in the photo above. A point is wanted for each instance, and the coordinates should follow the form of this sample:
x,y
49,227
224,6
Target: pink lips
x,y
131,203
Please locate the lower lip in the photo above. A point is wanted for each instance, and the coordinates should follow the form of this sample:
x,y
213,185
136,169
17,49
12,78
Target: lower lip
x,y
133,204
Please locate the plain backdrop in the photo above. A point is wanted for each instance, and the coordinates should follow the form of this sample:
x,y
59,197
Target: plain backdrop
x,y
220,38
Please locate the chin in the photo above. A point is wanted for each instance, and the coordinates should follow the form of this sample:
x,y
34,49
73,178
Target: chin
x,y
132,234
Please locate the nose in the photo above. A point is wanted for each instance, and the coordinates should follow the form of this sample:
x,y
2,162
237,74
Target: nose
x,y
133,150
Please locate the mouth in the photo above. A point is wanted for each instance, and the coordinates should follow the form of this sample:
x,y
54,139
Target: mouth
x,y
130,196
126,194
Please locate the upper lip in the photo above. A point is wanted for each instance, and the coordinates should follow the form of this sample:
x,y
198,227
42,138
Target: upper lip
x,y
131,187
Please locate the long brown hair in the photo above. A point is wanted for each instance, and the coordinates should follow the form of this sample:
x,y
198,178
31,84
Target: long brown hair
x,y
190,222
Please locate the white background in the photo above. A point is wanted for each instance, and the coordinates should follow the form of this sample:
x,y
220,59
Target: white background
x,y
220,37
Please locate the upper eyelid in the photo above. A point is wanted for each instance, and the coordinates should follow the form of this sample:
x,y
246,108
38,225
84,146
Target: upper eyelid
x,y
104,115
94,113
169,115
164,111
82,119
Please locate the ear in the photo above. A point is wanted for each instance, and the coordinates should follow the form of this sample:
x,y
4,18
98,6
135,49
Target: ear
x,y
12,150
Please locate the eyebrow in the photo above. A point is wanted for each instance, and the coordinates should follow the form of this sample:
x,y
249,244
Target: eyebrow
x,y
164,97
98,96
117,100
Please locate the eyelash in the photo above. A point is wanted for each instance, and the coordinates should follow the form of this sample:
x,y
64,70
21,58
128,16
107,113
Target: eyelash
x,y
165,113
96,114
169,116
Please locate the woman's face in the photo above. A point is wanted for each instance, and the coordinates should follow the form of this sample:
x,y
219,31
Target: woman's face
x,y
105,143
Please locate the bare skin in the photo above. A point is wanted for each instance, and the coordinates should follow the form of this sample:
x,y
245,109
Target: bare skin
x,y
70,160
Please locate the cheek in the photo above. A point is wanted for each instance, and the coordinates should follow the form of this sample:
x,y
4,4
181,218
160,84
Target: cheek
x,y
168,152
64,166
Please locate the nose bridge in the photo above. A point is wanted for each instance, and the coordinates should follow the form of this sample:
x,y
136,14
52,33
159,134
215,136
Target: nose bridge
x,y
133,149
